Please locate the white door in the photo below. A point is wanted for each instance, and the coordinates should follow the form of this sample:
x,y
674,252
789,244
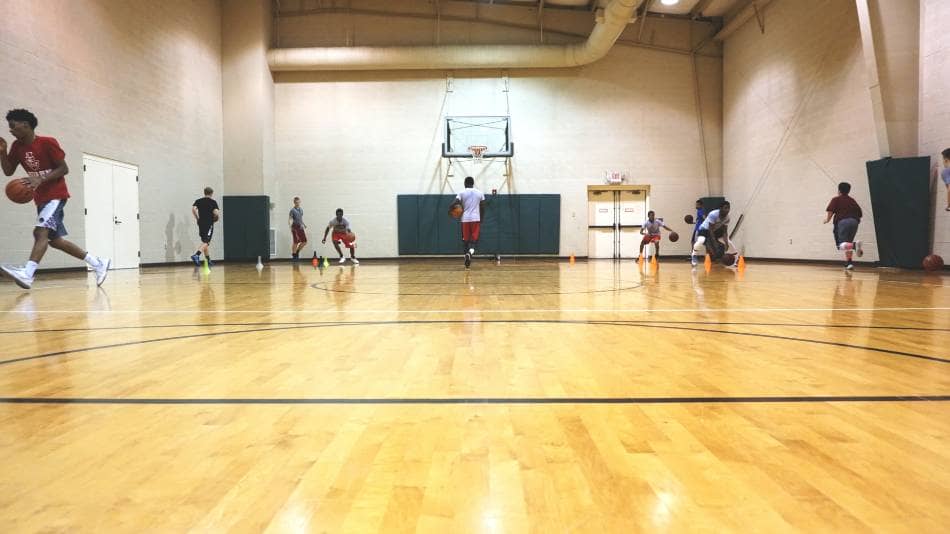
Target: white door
x,y
125,203
112,210
633,211
97,186
601,224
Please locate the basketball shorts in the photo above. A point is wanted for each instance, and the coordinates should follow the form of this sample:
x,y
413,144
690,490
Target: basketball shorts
x,y
845,230
714,247
340,237
471,230
650,238
50,215
298,233
205,231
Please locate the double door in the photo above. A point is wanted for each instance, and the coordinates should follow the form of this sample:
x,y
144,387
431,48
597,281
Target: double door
x,y
614,220
112,210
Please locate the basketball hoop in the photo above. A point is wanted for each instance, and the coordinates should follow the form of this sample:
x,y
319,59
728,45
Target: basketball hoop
x,y
477,151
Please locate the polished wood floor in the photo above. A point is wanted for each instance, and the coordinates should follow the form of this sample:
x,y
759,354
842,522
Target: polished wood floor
x,y
527,396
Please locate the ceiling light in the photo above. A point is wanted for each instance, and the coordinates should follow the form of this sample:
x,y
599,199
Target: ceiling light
x,y
669,2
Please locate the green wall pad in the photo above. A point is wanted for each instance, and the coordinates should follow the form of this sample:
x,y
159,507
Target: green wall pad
x,y
900,201
511,224
246,228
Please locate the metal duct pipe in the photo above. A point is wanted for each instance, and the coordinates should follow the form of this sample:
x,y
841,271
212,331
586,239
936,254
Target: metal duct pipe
x,y
617,15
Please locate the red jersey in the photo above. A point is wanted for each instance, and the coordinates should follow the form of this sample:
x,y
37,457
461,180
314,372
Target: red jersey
x,y
38,159
844,207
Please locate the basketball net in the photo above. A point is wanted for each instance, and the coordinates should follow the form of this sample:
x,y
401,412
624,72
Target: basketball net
x,y
477,151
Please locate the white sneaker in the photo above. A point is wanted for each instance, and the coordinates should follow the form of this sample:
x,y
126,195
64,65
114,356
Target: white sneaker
x,y
102,271
355,261
692,260
471,252
857,247
342,261
18,274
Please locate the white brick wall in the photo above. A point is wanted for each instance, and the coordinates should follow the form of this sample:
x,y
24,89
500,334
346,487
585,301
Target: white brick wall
x,y
804,74
137,81
935,105
356,140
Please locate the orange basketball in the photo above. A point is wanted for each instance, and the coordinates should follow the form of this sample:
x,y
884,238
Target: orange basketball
x,y
933,262
728,259
349,237
455,211
19,192
674,237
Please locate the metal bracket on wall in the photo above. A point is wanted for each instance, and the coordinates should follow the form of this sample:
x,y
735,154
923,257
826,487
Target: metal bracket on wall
x,y
758,16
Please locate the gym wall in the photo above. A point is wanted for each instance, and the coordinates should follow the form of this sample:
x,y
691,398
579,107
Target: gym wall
x,y
934,133
806,73
356,140
137,81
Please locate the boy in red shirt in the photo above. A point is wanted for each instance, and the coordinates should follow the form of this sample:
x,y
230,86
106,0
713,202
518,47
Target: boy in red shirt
x,y
847,216
45,164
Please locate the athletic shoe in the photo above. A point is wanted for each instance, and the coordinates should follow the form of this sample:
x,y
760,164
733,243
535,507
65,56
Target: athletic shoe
x,y
18,274
197,259
471,252
468,260
849,266
692,260
355,261
102,271
857,247
342,261
210,263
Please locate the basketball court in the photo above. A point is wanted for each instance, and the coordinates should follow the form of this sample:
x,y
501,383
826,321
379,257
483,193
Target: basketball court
x,y
593,266
526,395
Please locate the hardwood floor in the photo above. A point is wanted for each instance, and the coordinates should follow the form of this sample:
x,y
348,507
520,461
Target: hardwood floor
x,y
531,395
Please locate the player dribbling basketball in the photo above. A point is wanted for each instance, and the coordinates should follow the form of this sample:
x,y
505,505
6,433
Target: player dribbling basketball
x,y
472,201
45,164
341,236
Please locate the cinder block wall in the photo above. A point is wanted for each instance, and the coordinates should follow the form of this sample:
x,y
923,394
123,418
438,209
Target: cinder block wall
x,y
356,140
797,121
137,81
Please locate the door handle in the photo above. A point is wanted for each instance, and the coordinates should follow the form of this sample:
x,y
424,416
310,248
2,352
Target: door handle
x,y
116,220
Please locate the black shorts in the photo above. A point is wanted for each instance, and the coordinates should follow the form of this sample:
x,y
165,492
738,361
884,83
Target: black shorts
x,y
715,248
205,232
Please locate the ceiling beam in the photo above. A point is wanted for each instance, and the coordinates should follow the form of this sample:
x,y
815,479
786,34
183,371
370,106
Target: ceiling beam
x,y
698,9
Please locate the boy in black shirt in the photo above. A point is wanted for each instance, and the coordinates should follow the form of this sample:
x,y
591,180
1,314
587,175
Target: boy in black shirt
x,y
206,213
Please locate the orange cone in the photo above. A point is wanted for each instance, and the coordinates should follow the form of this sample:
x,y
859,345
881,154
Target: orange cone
x,y
741,263
640,259
572,259
707,263
653,260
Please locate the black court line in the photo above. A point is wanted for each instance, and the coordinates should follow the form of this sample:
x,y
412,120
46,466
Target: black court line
x,y
338,323
451,322
480,400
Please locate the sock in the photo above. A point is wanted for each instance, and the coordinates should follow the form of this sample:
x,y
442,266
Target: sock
x,y
31,268
91,260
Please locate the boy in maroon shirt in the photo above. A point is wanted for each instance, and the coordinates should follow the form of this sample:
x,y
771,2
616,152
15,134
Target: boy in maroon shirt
x,y
45,164
847,216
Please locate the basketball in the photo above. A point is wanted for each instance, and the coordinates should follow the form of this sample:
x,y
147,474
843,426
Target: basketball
x,y
19,192
933,262
728,259
674,237
688,219
349,237
455,211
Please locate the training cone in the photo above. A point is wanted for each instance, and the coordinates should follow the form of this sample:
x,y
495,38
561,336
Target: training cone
x,y
653,260
640,259
259,265
315,261
741,263
204,266
707,263
572,259
326,261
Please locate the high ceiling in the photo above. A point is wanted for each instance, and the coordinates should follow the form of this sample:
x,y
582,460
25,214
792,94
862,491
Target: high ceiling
x,y
694,8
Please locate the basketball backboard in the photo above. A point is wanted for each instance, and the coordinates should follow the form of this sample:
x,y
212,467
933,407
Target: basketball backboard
x,y
462,132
